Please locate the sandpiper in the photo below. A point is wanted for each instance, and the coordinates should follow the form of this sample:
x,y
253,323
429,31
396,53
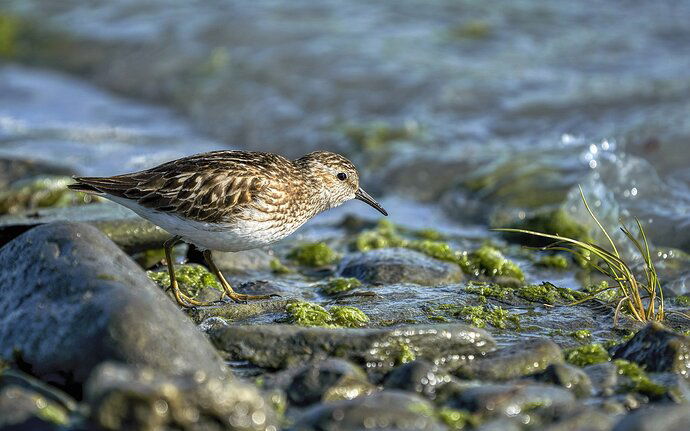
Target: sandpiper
x,y
231,200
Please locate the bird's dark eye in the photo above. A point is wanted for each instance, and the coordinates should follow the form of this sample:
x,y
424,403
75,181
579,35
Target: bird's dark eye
x,y
342,176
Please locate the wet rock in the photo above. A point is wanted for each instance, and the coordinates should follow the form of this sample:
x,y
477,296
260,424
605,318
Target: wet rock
x,y
14,378
590,419
71,299
379,350
40,192
567,376
512,399
604,377
129,231
12,170
520,359
657,349
244,261
231,311
327,380
398,265
123,397
656,418
24,409
390,410
418,376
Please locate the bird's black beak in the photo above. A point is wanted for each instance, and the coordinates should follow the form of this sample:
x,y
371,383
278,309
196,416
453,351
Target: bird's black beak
x,y
364,197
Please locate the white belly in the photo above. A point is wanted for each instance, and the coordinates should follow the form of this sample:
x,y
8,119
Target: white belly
x,y
241,235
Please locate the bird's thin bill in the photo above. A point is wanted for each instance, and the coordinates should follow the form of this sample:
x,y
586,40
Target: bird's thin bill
x,y
364,197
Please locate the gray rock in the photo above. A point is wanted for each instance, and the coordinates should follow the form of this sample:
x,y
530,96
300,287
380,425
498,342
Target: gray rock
x,y
326,380
123,397
390,410
243,261
24,409
71,299
131,232
398,265
656,418
379,350
604,377
569,377
520,359
589,419
418,376
658,349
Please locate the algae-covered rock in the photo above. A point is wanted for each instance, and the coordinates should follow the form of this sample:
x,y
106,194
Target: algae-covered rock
x,y
13,170
123,397
555,222
569,377
390,410
309,314
657,349
340,285
587,355
492,263
41,192
314,254
70,281
520,359
398,265
281,346
482,315
192,279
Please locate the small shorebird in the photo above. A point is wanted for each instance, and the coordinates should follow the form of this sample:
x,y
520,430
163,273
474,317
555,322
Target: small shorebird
x,y
231,200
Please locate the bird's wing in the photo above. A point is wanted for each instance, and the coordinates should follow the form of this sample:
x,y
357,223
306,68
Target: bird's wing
x,y
206,190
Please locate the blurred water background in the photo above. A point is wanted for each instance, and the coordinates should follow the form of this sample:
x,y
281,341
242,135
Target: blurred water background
x,y
463,114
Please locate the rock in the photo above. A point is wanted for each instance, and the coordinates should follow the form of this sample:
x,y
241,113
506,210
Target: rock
x,y
123,397
327,380
24,409
390,410
589,419
398,265
12,170
569,377
656,418
604,377
511,400
518,360
14,378
379,350
71,299
243,261
131,232
418,376
232,312
657,349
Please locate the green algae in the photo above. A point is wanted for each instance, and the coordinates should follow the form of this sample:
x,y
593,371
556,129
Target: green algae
x,y
430,234
9,34
309,314
51,412
639,381
405,354
481,315
682,300
472,30
378,135
490,290
313,254
457,419
587,355
547,293
601,291
557,222
41,192
191,278
339,285
554,261
492,262
581,334
277,267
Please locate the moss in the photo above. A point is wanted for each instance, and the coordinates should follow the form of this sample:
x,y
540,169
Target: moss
x,y
547,293
9,33
429,234
457,419
682,300
581,334
481,315
554,261
384,236
557,222
309,314
41,192
492,262
348,317
377,135
639,381
339,285
313,254
421,408
277,267
436,318
604,295
490,290
405,355
587,355
191,278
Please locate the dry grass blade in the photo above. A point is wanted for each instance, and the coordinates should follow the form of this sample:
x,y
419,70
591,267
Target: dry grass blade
x,y
610,263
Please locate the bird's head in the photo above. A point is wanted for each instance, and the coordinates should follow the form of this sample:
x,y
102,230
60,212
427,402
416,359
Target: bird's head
x,y
336,179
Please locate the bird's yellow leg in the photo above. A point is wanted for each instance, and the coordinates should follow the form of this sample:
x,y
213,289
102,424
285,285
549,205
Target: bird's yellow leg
x,y
180,297
237,297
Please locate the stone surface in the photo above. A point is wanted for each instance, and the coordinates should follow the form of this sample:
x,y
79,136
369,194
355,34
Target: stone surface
x,y
325,380
567,376
658,349
12,170
123,397
657,418
243,261
390,410
517,360
131,232
419,376
398,265
604,377
72,299
379,350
